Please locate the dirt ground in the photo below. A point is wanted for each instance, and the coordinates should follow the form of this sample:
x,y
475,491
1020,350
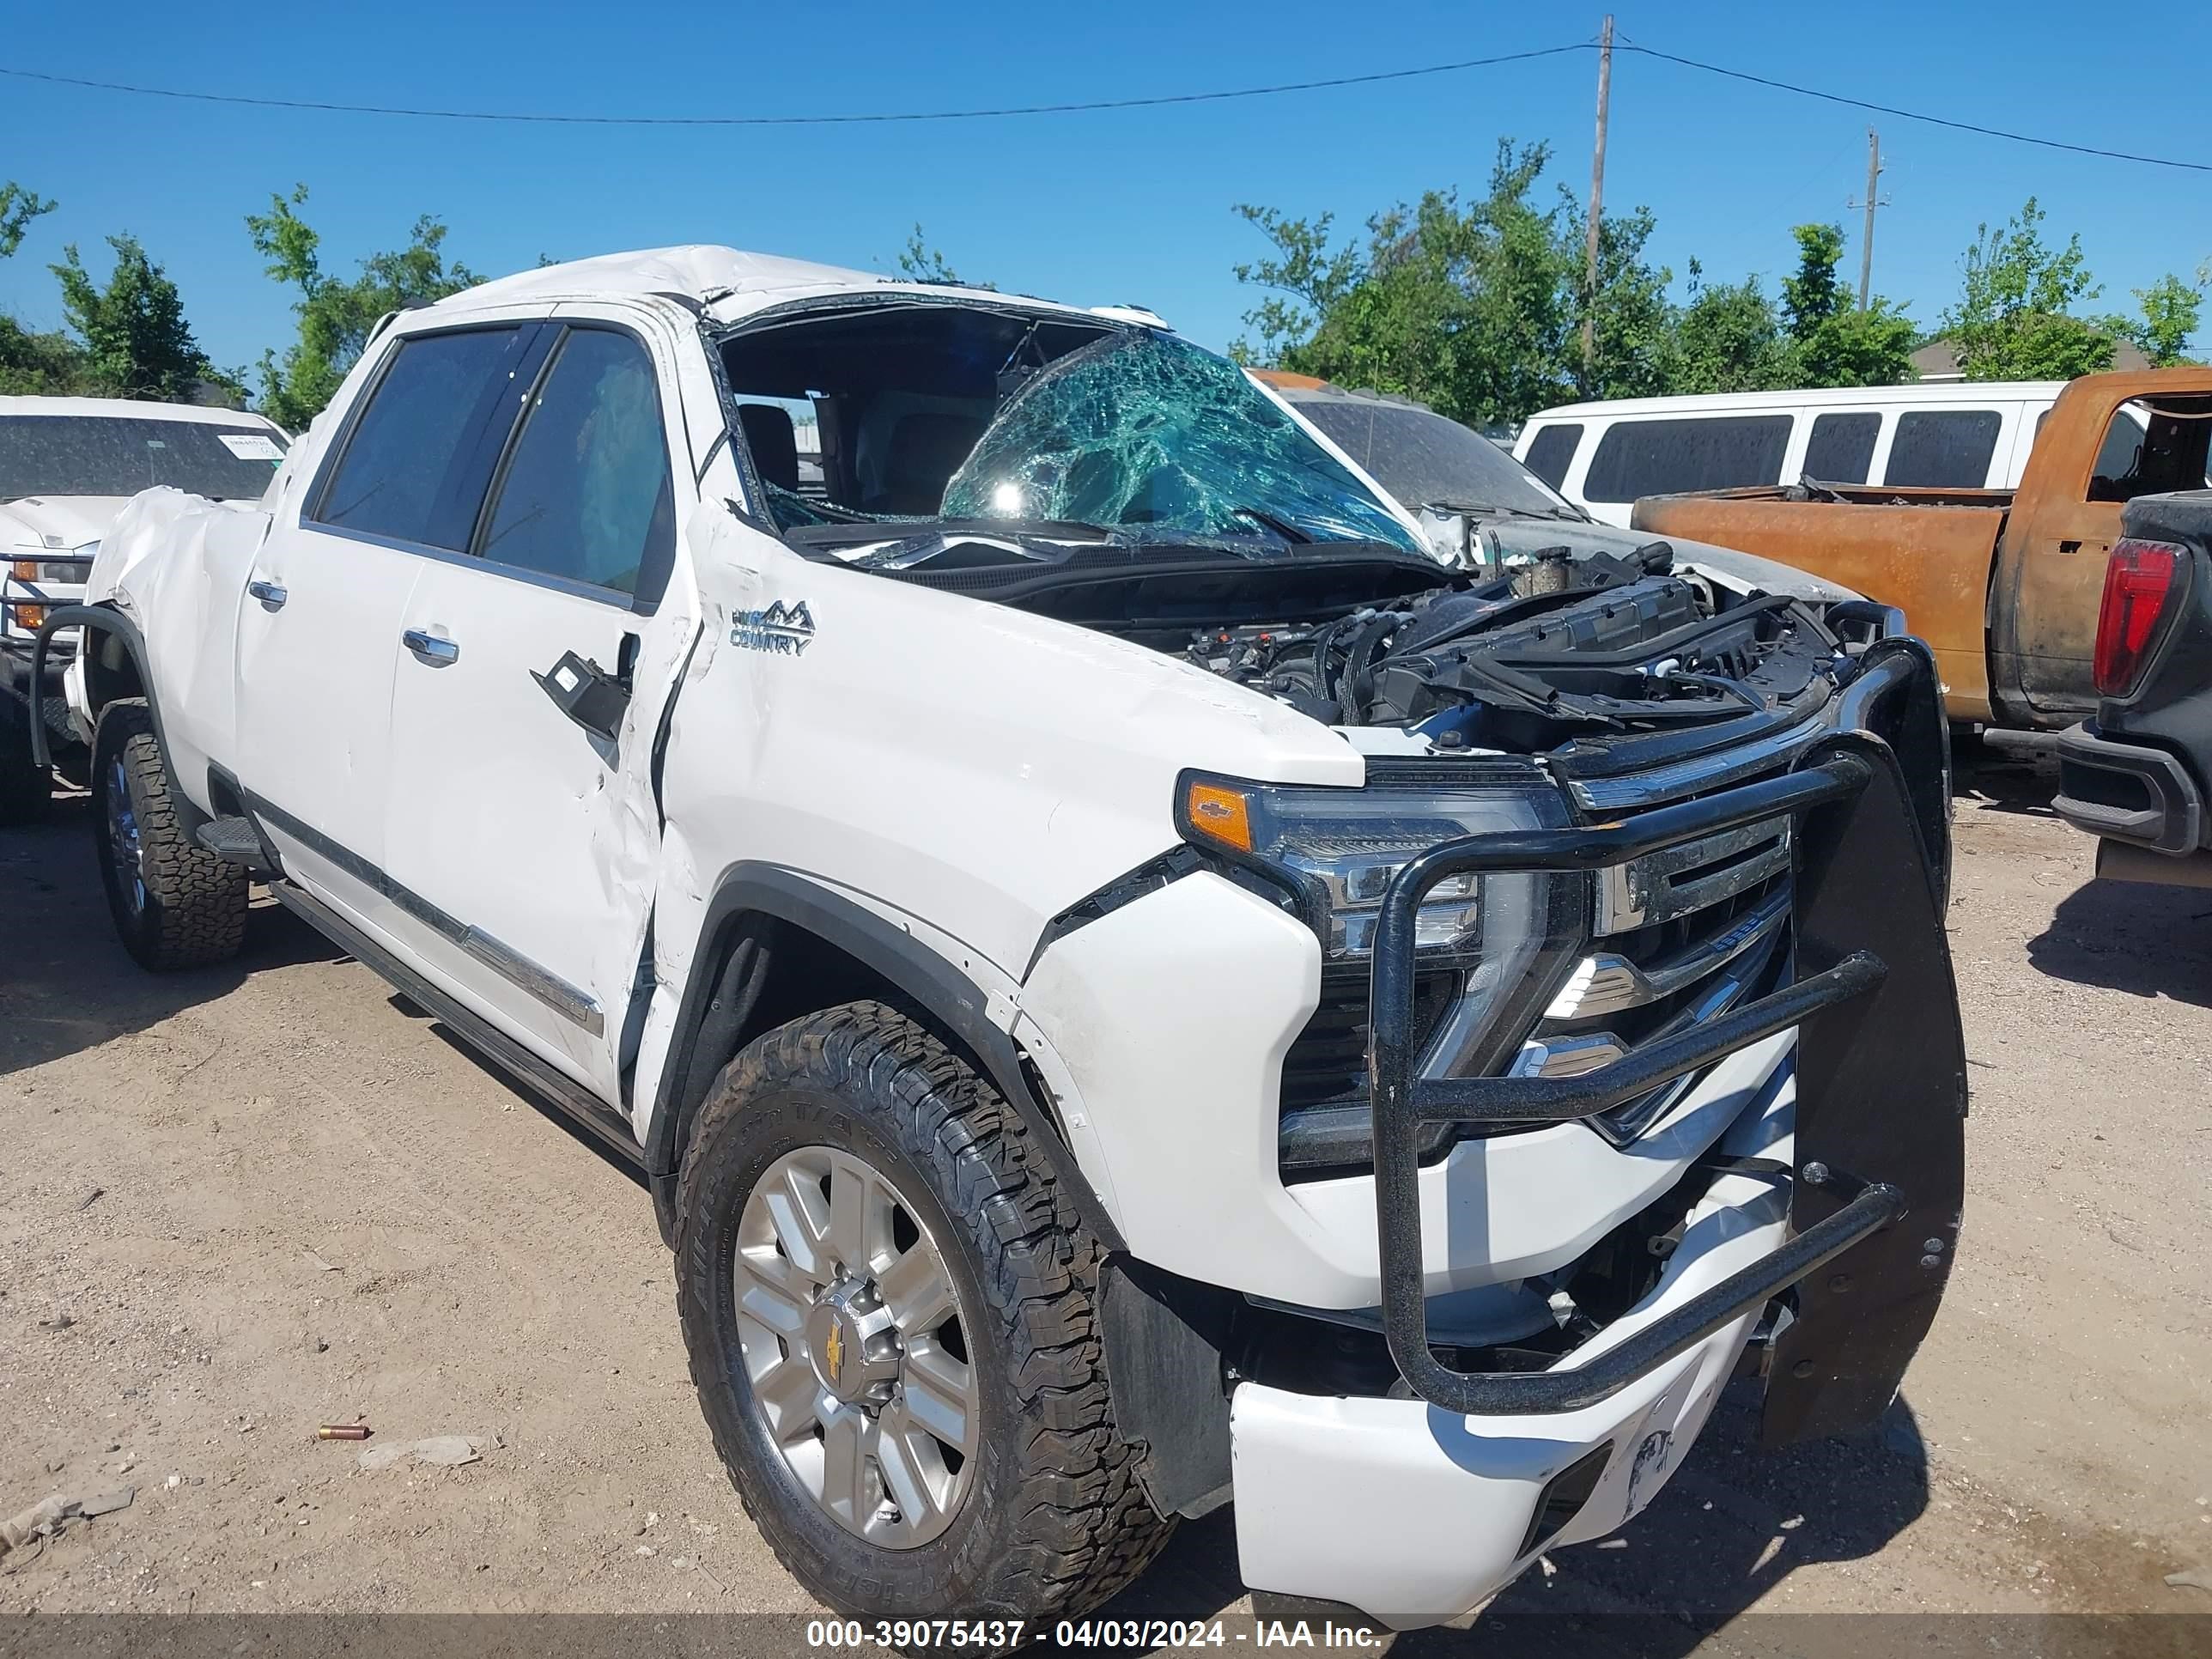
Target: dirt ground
x,y
237,1204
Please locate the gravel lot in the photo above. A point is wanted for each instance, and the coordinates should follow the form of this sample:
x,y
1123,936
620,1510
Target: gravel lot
x,y
313,1206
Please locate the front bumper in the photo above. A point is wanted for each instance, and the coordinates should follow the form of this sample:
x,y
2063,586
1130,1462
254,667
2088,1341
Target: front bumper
x,y
2129,792
1428,1514
1414,1510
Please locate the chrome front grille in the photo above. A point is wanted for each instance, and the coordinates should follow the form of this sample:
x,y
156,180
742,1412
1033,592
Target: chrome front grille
x,y
1675,939
1679,937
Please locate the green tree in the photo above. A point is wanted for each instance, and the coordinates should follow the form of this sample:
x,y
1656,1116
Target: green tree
x,y
136,341
337,316
2170,311
1838,342
1310,279
33,363
40,363
18,207
1475,309
1729,337
1633,320
2013,319
918,262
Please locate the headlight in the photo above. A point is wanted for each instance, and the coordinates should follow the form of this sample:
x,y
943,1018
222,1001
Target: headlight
x,y
1337,850
72,569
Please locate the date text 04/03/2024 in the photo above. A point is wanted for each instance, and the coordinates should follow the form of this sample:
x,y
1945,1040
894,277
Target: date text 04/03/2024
x,y
1137,1633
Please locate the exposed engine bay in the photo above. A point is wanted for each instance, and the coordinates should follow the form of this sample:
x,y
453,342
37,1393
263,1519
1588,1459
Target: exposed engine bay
x,y
1554,650
1104,472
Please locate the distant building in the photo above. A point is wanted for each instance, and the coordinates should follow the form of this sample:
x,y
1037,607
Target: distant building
x,y
1936,362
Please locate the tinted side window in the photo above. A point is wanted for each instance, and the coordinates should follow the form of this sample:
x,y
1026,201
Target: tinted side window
x,y
1943,448
1657,457
588,494
1552,452
1841,448
416,464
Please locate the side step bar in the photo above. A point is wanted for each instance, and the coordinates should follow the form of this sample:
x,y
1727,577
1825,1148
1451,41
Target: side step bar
x,y
235,841
574,1101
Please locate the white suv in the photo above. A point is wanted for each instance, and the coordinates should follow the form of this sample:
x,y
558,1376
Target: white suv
x,y
1131,984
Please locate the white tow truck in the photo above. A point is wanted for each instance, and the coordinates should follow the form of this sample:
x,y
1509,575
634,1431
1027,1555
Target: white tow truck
x,y
1133,985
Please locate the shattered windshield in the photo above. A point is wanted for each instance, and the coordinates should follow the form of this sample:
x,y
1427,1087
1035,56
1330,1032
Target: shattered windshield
x,y
1156,440
1425,459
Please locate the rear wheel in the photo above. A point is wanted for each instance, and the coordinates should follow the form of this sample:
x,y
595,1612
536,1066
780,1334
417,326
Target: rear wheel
x,y
890,1308
175,904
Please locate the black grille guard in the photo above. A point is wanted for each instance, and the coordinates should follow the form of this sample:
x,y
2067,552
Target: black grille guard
x,y
1880,1080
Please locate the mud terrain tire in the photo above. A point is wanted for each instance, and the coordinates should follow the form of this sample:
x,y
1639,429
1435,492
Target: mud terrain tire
x,y
1053,1521
174,903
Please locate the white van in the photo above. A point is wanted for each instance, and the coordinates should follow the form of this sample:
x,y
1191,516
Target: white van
x,y
1604,457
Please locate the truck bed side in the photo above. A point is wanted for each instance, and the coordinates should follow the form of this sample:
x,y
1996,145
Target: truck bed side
x,y
1927,552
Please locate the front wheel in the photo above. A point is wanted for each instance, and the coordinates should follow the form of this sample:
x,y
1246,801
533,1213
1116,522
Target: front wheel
x,y
175,904
890,1308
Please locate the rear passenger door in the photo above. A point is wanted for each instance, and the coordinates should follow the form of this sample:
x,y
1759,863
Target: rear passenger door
x,y
318,631
526,838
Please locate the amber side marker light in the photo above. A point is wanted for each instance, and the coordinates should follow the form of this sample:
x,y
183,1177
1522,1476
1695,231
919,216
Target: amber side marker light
x,y
1219,814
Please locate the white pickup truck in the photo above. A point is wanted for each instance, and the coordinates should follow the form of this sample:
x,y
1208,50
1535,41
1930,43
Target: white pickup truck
x,y
1132,984
67,465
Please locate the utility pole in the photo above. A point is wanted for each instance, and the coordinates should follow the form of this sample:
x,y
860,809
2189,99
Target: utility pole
x,y
1873,201
1596,203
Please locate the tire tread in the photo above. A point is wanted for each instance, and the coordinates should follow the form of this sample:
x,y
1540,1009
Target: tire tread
x,y
1085,1529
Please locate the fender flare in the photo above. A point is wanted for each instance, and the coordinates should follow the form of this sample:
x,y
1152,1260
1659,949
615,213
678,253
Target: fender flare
x,y
939,988
107,620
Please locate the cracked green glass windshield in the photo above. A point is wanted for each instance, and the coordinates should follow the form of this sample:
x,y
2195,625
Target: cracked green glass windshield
x,y
1158,441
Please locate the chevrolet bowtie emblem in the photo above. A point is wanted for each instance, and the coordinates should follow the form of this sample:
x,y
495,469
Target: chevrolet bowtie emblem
x,y
832,1353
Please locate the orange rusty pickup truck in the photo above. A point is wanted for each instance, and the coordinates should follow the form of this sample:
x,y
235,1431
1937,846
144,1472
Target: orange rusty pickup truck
x,y
2002,583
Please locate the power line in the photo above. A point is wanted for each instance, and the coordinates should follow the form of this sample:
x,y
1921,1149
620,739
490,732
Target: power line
x,y
1915,115
867,117
804,120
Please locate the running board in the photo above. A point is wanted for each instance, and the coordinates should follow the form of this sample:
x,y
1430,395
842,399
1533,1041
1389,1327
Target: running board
x,y
574,1102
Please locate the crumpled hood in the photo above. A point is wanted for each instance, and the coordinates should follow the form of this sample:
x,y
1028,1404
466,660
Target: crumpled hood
x,y
1724,565
60,524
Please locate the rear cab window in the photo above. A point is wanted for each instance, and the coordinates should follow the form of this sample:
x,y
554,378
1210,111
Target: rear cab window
x,y
1639,458
2153,445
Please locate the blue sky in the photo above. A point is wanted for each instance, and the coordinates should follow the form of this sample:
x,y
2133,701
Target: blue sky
x,y
1129,207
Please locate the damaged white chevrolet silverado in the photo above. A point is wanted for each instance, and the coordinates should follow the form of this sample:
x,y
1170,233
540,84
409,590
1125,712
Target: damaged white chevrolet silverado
x,y
1133,984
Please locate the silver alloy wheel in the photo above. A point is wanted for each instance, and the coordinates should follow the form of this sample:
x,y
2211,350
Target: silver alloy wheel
x,y
856,1348
125,851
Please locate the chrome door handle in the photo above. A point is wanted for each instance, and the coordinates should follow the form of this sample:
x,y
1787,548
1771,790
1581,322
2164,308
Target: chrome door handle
x,y
271,595
429,648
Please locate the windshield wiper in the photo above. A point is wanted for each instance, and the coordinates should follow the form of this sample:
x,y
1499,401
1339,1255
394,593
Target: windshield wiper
x,y
1570,514
1296,535
848,533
